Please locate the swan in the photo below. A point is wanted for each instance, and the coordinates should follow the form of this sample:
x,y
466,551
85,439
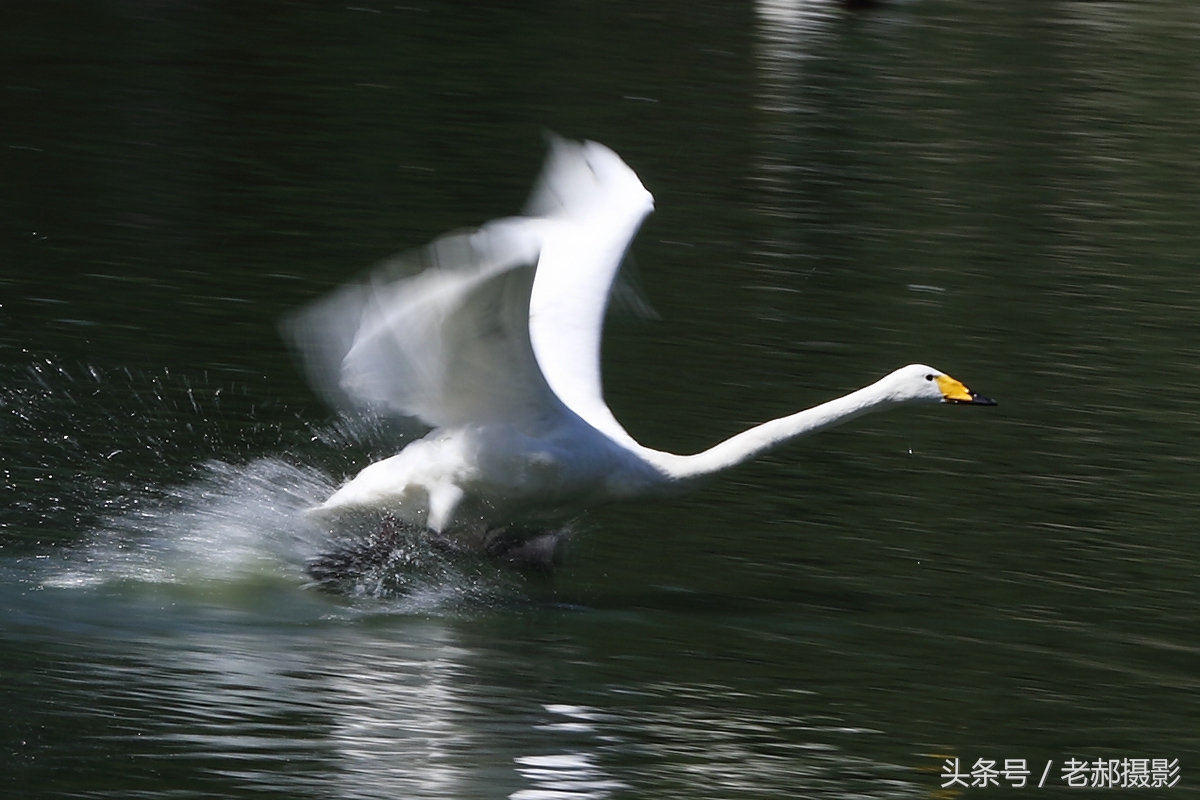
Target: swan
x,y
494,344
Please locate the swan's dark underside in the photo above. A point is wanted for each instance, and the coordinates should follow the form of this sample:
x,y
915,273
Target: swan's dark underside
x,y
394,542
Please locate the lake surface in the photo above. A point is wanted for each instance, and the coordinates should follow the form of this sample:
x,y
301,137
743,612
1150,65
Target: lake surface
x,y
1010,192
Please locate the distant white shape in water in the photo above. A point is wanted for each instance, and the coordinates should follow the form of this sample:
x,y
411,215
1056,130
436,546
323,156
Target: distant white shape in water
x,y
495,345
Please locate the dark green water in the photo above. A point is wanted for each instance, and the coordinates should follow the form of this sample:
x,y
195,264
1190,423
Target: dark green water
x,y
1010,192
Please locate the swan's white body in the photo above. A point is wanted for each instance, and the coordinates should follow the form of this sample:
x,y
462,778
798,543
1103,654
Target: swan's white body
x,y
496,346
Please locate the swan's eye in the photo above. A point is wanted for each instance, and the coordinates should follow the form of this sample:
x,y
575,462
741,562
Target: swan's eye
x,y
929,377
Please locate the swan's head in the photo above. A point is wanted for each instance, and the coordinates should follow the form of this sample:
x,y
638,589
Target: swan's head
x,y
919,382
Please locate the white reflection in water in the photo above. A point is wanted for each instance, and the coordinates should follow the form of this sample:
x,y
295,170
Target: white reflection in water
x,y
576,773
401,707
712,741
704,741
570,775
783,24
399,725
357,716
787,32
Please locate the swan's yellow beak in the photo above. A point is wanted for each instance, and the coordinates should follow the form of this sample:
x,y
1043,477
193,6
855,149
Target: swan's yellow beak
x,y
954,392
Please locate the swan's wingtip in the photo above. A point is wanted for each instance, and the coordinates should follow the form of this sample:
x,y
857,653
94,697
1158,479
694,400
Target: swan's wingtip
x,y
580,177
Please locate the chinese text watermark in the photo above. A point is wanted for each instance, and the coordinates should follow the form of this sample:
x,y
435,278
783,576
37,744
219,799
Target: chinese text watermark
x,y
1101,773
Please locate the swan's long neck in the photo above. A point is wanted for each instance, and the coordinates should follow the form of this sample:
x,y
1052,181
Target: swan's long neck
x,y
762,438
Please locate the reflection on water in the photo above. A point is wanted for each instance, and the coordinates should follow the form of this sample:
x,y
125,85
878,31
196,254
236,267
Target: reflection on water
x,y
374,707
787,34
569,775
404,730
704,733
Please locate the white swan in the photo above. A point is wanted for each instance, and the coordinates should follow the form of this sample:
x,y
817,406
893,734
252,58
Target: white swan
x,y
496,346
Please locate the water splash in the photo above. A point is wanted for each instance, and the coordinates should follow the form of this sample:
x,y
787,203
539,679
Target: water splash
x,y
246,524
127,479
233,522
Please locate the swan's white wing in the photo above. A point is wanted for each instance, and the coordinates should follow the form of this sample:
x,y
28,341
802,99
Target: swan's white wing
x,y
477,337
449,346
593,204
